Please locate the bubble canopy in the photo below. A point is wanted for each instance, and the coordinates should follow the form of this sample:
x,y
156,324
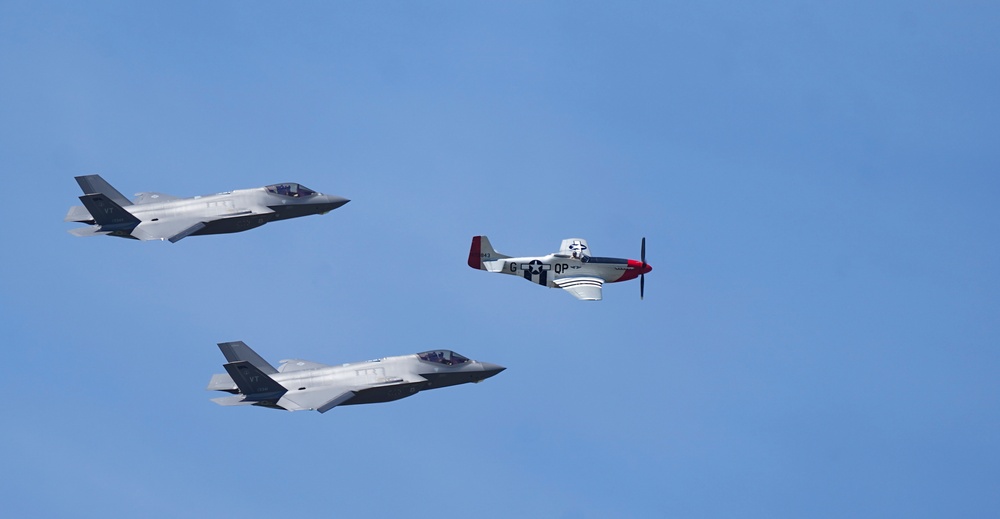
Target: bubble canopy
x,y
290,189
446,357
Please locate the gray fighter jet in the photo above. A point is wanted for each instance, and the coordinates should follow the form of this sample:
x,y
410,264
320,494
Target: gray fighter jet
x,y
300,385
156,216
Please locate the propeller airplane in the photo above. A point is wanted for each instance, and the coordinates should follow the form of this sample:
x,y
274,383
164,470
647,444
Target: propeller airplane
x,y
572,268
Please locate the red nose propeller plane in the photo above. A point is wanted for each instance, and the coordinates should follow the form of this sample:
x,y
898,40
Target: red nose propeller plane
x,y
572,268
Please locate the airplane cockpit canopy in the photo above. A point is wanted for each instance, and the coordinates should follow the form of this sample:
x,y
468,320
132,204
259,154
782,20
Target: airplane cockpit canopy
x,y
291,189
596,259
446,357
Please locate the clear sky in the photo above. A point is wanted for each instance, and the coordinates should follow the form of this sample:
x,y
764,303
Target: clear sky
x,y
817,183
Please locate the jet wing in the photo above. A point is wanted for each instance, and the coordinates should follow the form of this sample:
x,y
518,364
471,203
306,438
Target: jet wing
x,y
575,247
587,288
321,399
174,229
92,230
324,398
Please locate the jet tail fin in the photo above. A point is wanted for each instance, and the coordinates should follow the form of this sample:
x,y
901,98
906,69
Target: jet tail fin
x,y
482,251
253,383
238,350
107,213
95,184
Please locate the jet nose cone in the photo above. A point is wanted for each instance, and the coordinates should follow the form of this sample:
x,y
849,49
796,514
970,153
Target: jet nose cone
x,y
490,369
336,201
330,202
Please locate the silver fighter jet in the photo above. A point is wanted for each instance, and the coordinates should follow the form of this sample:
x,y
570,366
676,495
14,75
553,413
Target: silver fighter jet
x,y
156,216
300,385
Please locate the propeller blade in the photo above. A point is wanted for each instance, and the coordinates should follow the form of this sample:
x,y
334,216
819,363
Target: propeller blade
x,y
642,277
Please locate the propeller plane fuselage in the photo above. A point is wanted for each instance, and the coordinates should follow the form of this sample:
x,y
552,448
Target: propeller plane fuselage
x,y
572,268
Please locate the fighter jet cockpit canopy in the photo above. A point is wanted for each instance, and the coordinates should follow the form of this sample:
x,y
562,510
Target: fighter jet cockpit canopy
x,y
290,189
446,357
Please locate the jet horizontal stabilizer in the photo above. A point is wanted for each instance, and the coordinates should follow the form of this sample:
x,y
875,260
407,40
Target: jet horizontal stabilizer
x,y
79,213
93,230
231,400
222,382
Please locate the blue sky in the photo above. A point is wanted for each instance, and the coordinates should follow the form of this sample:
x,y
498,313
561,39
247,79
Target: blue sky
x,y
817,185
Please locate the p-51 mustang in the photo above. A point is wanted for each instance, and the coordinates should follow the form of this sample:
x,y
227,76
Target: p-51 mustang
x,y
300,385
155,216
572,268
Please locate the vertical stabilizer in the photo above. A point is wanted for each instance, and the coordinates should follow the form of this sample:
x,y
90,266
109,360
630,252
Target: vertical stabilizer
x,y
95,184
238,350
481,251
108,214
255,385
